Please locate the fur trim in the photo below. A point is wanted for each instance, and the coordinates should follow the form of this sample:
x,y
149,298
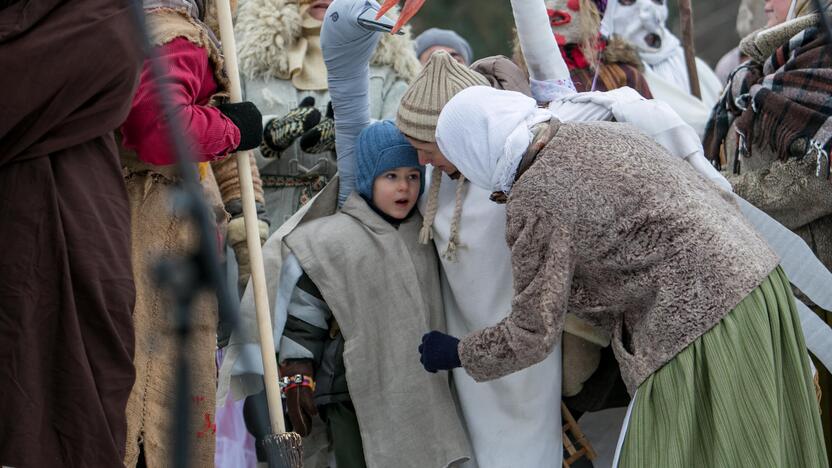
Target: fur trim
x,y
267,29
619,50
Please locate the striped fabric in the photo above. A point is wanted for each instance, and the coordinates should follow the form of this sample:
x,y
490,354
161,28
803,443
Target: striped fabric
x,y
739,396
612,76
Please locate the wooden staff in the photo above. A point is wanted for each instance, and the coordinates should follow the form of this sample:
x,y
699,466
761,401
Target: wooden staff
x,y
686,20
283,449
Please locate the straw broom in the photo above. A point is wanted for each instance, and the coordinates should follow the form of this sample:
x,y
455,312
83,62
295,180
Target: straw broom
x,y
283,449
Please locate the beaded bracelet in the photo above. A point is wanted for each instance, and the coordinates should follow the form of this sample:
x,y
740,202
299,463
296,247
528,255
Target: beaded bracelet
x,y
295,381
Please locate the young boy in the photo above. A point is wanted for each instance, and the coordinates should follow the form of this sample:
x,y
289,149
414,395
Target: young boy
x,y
367,292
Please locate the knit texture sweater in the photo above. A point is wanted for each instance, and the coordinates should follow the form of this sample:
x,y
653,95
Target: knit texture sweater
x,y
641,246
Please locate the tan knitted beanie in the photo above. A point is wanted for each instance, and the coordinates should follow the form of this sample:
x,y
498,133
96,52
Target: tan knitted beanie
x,y
440,80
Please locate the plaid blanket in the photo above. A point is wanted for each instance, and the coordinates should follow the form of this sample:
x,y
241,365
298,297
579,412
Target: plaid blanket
x,y
784,104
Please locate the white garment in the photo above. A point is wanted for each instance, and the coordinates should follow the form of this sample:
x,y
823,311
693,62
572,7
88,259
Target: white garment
x,y
548,74
484,132
513,421
693,111
665,67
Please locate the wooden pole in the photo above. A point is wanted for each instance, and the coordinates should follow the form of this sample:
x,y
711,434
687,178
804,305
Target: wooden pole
x,y
686,20
258,273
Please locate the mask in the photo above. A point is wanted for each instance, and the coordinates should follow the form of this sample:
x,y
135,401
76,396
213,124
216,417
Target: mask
x,y
573,21
642,23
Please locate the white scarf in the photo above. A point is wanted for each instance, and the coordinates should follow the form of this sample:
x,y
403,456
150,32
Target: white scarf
x,y
484,132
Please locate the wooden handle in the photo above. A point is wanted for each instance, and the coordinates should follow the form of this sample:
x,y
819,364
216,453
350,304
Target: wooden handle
x,y
258,273
686,20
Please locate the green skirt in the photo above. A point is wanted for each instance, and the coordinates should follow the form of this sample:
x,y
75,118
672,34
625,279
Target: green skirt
x,y
741,395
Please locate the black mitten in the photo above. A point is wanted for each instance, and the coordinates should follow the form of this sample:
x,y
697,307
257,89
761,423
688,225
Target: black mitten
x,y
321,137
439,351
247,118
280,133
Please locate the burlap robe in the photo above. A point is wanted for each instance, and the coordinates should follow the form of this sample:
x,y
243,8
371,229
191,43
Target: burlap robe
x,y
156,232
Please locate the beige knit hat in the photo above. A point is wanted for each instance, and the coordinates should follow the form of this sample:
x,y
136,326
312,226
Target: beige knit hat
x,y
440,80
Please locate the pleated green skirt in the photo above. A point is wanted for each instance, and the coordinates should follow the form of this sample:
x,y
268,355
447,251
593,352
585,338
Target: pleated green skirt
x,y
741,395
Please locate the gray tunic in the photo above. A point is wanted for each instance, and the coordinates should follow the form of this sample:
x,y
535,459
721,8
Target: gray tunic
x,y
383,288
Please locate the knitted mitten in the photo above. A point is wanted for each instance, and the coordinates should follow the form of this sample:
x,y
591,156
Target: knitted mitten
x,y
439,352
321,137
280,133
247,118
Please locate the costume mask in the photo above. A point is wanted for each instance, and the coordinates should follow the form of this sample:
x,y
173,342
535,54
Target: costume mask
x,y
565,18
575,24
642,23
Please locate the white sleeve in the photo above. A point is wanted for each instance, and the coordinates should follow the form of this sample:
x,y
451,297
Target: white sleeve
x,y
549,75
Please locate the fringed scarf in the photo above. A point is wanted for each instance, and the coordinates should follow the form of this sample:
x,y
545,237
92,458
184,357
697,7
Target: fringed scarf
x,y
782,105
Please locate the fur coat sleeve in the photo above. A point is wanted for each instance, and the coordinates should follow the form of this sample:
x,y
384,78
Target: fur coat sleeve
x,y
543,263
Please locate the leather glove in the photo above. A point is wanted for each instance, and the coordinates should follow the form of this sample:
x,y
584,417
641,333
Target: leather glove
x,y
237,241
300,402
439,352
321,137
247,118
280,133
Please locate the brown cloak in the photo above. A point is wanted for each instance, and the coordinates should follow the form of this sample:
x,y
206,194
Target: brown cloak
x,y
66,286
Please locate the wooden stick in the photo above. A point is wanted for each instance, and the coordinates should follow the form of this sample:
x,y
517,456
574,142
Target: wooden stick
x,y
686,20
258,273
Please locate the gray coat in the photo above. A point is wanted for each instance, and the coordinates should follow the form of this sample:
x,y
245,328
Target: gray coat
x,y
382,286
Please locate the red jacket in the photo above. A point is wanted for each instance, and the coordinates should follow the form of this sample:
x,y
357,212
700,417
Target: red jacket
x,y
190,83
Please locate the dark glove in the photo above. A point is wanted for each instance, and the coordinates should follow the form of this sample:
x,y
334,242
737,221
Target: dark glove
x,y
247,118
280,133
321,137
439,352
300,403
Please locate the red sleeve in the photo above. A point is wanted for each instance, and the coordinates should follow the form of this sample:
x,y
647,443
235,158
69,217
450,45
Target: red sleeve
x,y
189,84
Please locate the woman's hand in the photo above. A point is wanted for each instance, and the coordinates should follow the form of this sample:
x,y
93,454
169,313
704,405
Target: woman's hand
x,y
439,352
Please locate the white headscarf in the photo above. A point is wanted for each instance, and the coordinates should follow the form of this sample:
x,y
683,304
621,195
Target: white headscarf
x,y
484,132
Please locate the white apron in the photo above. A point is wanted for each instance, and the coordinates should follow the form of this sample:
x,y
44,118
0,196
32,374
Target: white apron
x,y
514,421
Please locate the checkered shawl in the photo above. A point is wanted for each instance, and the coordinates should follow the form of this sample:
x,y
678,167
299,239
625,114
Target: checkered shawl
x,y
785,104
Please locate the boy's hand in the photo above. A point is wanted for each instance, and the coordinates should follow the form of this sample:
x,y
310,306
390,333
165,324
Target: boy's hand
x,y
300,403
439,352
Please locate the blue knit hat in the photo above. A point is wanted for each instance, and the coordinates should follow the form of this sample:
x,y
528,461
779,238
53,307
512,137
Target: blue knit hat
x,y
382,147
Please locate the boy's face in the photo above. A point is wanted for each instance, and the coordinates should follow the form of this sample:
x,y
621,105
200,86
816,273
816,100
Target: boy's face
x,y
429,153
395,192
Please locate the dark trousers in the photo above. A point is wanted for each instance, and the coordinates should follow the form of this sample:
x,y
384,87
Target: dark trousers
x,y
342,425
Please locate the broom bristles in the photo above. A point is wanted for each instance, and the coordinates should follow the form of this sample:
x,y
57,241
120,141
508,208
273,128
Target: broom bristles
x,y
284,450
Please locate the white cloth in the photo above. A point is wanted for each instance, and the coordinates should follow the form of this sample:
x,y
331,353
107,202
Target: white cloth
x,y
665,67
513,421
548,74
543,58
484,132
497,132
694,112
